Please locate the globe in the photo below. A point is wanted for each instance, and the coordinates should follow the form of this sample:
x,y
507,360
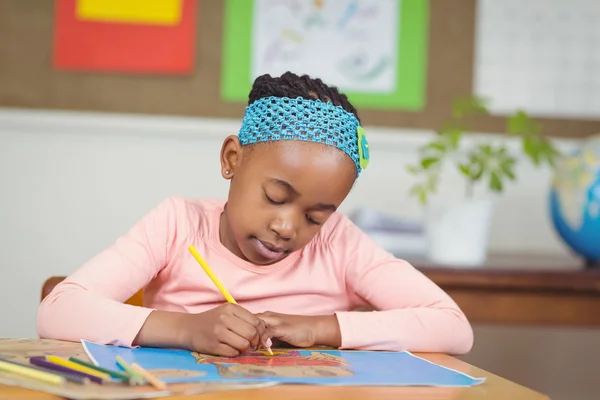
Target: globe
x,y
575,200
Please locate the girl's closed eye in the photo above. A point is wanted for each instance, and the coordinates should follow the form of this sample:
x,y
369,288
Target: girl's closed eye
x,y
272,200
311,220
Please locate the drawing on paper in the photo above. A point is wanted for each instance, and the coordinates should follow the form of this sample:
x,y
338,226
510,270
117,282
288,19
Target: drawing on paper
x,y
299,366
352,44
289,364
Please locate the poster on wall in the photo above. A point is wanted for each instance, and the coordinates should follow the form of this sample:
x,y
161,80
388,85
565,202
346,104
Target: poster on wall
x,y
540,58
129,36
375,51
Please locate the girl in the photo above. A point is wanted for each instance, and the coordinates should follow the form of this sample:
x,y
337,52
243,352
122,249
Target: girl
x,y
297,268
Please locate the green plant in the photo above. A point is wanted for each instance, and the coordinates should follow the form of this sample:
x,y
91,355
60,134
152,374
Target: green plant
x,y
486,161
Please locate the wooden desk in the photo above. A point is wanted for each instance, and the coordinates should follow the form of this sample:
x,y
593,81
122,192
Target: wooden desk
x,y
523,290
494,388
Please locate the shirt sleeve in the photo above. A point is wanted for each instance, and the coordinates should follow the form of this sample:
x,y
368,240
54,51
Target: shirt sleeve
x,y
89,304
414,314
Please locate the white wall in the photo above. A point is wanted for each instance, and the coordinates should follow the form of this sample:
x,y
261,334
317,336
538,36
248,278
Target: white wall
x,y
72,182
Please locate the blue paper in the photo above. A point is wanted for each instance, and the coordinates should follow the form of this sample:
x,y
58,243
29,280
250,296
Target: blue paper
x,y
314,367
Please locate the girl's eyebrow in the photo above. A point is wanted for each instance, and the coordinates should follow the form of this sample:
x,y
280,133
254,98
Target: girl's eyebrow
x,y
293,191
323,206
285,184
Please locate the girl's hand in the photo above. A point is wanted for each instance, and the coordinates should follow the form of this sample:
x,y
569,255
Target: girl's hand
x,y
303,331
226,330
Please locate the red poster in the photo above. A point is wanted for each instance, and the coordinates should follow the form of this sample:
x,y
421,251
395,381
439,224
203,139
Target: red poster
x,y
122,46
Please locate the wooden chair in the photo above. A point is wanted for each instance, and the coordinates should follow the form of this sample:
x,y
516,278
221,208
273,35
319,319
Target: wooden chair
x,y
50,284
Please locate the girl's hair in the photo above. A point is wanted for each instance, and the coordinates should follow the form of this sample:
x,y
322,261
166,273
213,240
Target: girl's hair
x,y
293,86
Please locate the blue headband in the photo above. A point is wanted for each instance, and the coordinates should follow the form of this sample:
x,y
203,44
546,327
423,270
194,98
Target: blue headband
x,y
283,118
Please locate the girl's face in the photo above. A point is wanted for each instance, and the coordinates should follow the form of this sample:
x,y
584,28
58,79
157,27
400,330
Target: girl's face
x,y
281,194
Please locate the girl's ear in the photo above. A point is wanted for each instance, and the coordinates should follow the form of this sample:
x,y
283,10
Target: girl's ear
x,y
231,156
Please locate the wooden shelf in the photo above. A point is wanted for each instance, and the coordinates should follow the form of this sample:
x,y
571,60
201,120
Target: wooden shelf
x,y
523,290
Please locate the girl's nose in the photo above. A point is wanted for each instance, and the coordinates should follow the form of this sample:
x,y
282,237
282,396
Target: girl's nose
x,y
284,228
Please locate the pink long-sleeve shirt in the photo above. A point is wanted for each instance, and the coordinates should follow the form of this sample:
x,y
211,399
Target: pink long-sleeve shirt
x,y
340,270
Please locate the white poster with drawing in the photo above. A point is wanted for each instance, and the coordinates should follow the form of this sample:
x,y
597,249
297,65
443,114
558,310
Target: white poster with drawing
x,y
352,44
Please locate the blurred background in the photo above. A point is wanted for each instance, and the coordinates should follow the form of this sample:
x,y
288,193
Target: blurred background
x,y
482,118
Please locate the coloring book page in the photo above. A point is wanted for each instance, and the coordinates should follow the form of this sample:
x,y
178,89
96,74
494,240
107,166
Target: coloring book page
x,y
315,367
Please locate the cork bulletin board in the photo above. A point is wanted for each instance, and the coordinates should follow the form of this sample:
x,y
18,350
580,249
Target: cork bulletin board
x,y
28,80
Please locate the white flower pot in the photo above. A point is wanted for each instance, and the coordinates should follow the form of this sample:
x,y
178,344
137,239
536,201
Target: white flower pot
x,y
458,233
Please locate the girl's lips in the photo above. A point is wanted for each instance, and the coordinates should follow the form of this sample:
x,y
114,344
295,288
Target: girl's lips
x,y
268,250
272,247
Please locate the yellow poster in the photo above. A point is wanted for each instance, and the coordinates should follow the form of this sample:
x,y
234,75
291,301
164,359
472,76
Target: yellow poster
x,y
156,12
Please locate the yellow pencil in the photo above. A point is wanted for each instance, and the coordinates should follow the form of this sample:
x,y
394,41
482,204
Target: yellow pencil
x,y
211,274
46,377
77,367
160,385
215,280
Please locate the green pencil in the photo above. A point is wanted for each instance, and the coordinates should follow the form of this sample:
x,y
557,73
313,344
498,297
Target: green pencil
x,y
135,377
114,374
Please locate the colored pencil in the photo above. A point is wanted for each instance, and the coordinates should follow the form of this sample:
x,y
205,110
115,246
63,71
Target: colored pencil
x,y
160,385
33,373
211,275
215,280
67,373
135,377
112,373
77,367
